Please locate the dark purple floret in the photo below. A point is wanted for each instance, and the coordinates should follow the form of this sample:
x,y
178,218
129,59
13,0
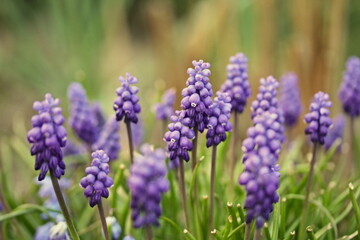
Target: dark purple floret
x,y
147,183
82,117
290,102
350,88
47,137
237,84
336,132
109,139
197,95
261,174
165,109
218,123
97,181
126,104
179,137
318,120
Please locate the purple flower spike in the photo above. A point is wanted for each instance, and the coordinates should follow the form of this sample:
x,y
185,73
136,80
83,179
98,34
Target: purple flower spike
x,y
237,84
350,87
97,181
109,139
197,95
126,104
165,109
336,132
318,119
290,102
82,117
47,137
137,131
179,137
218,123
266,98
99,114
261,174
147,183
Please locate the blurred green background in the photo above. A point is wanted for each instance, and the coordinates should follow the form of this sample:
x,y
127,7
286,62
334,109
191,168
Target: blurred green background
x,y
45,45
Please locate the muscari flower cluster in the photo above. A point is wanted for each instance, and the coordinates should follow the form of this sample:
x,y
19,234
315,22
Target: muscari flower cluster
x,y
336,132
350,87
197,95
290,102
47,137
179,137
218,123
97,181
262,148
109,139
237,84
318,120
83,118
165,109
126,104
147,183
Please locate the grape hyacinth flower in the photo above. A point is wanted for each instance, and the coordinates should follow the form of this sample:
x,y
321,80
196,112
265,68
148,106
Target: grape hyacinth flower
x,y
83,119
115,227
318,124
73,148
164,110
147,182
336,132
109,139
48,136
127,107
197,95
217,127
96,107
50,231
350,87
97,181
349,97
126,104
318,120
237,84
290,102
96,184
261,174
218,123
238,88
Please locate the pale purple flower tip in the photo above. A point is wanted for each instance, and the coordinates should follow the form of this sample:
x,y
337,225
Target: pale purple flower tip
x,y
197,95
73,148
165,109
237,84
97,181
290,102
318,120
218,123
47,137
179,137
109,139
336,132
261,174
147,183
350,87
82,117
126,104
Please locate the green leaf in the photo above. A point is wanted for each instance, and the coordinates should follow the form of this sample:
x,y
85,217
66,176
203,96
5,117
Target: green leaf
x,y
26,209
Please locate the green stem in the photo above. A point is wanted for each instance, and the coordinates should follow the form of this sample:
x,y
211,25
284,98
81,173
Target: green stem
x,y
257,234
355,205
352,142
247,231
183,191
234,153
308,189
291,235
148,233
103,220
267,231
212,186
73,233
310,233
131,146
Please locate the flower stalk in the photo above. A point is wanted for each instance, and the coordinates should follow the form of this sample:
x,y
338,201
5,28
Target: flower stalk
x,y
183,192
212,186
131,146
103,220
73,233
